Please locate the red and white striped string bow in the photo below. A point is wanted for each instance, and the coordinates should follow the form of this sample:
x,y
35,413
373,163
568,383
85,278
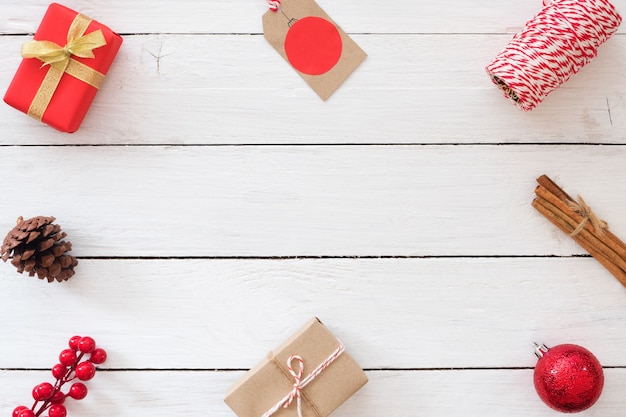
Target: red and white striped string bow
x,y
297,387
299,383
555,44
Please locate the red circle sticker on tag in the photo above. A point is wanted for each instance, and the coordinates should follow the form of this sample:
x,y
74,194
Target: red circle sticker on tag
x,y
313,45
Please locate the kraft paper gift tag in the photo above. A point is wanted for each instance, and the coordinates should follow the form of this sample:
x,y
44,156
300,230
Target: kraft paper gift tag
x,y
312,43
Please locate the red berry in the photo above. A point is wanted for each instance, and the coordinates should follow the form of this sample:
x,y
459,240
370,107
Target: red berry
x,y
67,357
18,409
74,342
58,370
58,398
43,391
57,410
78,391
26,413
86,344
85,371
98,356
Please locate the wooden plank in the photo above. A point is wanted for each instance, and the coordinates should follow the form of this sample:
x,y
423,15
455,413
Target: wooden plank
x,y
434,393
390,313
410,89
452,331
244,16
307,200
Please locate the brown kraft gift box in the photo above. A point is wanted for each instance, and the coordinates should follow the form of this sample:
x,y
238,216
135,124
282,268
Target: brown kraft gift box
x,y
266,384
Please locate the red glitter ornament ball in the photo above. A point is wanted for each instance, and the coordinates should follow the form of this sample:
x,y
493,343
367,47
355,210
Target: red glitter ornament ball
x,y
568,378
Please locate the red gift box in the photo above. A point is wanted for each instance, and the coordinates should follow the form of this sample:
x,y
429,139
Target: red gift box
x,y
63,67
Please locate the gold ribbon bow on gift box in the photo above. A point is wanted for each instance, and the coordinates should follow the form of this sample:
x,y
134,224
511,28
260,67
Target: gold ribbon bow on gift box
x,y
60,60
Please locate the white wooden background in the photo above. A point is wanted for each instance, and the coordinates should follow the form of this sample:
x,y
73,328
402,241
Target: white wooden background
x,y
216,203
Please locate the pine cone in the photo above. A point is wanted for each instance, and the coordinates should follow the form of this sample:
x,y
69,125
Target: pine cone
x,y
37,248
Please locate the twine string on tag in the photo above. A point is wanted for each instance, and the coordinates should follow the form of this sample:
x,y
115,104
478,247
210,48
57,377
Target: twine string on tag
x,y
588,215
274,5
299,383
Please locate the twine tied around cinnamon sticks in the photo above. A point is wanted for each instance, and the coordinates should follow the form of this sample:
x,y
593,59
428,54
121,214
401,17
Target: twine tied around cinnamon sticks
x,y
578,220
588,215
299,383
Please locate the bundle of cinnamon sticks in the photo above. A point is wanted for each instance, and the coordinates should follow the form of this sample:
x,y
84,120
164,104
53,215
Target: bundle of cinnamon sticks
x,y
577,220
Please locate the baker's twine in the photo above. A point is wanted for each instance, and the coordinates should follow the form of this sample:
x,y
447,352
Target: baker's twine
x,y
299,383
555,44
588,215
274,5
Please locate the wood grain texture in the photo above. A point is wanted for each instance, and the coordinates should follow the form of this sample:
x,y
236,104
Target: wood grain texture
x,y
215,204
307,200
410,89
388,393
244,16
390,313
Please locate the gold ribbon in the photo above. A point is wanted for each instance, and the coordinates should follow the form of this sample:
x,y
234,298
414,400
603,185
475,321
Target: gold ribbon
x,y
588,215
60,60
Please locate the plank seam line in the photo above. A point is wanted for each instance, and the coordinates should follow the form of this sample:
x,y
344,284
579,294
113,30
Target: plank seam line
x,y
225,370
319,257
321,144
127,34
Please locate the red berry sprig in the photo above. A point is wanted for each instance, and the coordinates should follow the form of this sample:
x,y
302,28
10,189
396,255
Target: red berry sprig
x,y
72,365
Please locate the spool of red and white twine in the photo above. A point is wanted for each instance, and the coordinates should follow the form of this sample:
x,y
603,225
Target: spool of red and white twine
x,y
554,45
